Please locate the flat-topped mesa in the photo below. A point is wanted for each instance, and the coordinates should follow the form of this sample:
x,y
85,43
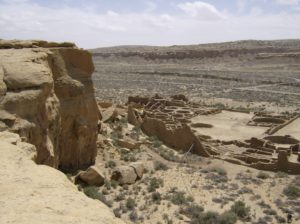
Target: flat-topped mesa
x,y
19,44
47,97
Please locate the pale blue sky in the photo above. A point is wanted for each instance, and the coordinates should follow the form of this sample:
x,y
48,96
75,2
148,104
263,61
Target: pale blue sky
x,y
96,23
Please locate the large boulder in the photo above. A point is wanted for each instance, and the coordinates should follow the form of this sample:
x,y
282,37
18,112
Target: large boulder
x,y
124,175
138,168
47,97
92,176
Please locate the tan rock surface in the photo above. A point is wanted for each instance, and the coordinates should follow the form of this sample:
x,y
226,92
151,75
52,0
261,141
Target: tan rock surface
x,y
124,175
47,96
31,193
139,168
92,176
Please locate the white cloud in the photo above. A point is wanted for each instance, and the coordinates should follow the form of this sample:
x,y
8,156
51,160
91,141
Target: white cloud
x,y
89,29
241,5
201,10
151,6
288,2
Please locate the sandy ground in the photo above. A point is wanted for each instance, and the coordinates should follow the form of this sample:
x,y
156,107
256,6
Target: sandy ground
x,y
292,129
229,126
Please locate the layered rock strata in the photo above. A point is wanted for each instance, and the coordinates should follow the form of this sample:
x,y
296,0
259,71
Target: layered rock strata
x,y
47,97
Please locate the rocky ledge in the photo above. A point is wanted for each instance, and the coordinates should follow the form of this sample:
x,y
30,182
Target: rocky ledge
x,y
47,97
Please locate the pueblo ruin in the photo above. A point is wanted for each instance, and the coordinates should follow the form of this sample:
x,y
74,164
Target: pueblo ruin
x,y
178,124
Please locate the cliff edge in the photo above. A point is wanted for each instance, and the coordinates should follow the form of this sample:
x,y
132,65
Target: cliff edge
x,y
47,97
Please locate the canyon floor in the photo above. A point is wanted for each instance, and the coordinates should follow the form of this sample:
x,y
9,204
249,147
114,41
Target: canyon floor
x,y
180,187
240,79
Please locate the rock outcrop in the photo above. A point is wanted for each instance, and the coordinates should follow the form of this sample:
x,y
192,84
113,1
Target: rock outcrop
x,y
92,176
31,193
128,174
47,97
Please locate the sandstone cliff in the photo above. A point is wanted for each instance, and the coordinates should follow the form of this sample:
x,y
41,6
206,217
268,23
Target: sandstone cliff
x,y
47,97
31,193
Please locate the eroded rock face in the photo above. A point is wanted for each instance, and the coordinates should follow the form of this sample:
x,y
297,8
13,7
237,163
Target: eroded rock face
x,y
39,194
47,97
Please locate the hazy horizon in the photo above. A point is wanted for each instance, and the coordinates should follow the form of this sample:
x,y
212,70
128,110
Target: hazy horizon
x,y
99,23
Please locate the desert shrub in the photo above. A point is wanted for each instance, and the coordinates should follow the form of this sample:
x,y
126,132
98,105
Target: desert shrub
x,y
280,219
128,157
197,216
247,178
156,197
111,164
117,212
105,191
264,204
217,178
114,184
192,211
154,183
130,203
133,216
160,166
166,219
245,190
92,192
115,135
227,217
240,209
296,181
270,212
292,191
219,171
179,198
206,218
107,184
217,200
157,144
120,197
263,175
281,174
167,154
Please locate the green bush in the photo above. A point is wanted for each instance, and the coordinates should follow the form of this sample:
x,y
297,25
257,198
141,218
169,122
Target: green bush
x,y
133,216
281,174
120,197
114,184
160,166
154,184
111,164
156,197
227,217
206,218
130,203
240,209
117,212
179,198
292,191
92,192
263,175
192,211
157,144
214,218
